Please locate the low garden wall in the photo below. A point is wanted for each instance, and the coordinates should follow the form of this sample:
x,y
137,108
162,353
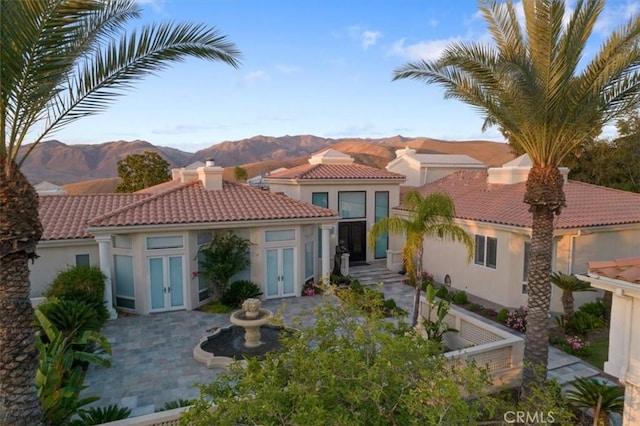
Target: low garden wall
x,y
489,346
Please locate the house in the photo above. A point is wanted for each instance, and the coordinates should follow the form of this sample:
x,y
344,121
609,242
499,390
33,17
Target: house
x,y
622,278
421,169
596,222
259,179
48,188
147,243
362,195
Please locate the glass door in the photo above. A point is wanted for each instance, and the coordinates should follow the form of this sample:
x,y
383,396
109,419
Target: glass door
x,y
166,283
280,272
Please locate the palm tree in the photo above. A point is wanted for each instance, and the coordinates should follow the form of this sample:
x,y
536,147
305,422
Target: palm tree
x,y
62,60
533,83
603,398
429,216
568,284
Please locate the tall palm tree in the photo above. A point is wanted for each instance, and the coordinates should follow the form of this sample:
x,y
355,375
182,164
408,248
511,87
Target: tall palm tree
x,y
61,60
428,216
568,284
533,84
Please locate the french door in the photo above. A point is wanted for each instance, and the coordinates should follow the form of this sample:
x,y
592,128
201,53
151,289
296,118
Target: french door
x,y
354,237
280,271
166,283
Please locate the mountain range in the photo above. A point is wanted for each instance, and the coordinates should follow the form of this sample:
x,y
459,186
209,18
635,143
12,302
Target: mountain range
x,y
95,165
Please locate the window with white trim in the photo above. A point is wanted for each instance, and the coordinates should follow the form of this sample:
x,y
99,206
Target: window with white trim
x,y
486,251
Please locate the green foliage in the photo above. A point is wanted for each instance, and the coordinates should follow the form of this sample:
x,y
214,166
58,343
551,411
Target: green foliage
x,y
83,284
569,284
459,298
503,314
59,374
217,307
347,369
71,317
596,309
442,293
582,323
177,403
238,292
100,415
431,216
593,392
227,255
240,173
434,322
139,171
370,301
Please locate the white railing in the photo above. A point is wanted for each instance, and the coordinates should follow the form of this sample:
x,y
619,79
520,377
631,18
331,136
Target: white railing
x,y
489,346
161,418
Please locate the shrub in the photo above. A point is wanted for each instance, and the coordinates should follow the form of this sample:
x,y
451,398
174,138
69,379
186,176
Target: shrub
x,y
227,255
100,415
71,317
238,292
574,345
596,309
603,398
582,323
502,315
177,403
443,293
83,284
459,298
517,319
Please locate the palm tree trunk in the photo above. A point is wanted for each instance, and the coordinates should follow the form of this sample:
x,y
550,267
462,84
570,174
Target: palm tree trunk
x,y
20,230
545,196
567,303
418,286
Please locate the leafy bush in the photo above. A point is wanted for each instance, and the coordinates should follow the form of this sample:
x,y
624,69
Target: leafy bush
x,y
596,309
177,403
82,284
100,415
503,315
443,293
459,298
238,292
574,345
517,319
71,317
583,323
369,300
227,255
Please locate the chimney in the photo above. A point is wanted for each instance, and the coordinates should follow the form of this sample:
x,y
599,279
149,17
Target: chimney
x,y
210,176
209,162
405,151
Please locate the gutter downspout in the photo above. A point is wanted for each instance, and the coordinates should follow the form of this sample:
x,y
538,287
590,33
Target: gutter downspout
x,y
572,248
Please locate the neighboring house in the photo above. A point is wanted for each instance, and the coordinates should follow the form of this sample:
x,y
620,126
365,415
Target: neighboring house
x,y
597,222
426,168
147,242
622,278
48,188
259,180
361,194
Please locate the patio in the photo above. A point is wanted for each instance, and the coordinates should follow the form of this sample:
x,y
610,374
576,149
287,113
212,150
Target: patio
x,y
152,361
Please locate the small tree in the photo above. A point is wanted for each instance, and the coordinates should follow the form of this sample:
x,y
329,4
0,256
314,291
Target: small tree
x,y
568,284
139,171
240,173
603,398
227,255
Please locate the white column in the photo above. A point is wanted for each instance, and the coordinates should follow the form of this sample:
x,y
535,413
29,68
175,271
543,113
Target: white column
x,y
104,248
326,252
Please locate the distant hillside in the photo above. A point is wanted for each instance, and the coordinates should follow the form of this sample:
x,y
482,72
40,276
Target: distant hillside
x,y
61,164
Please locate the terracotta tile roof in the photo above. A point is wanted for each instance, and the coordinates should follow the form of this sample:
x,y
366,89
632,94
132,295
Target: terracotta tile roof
x,y
587,205
335,171
190,203
627,269
66,216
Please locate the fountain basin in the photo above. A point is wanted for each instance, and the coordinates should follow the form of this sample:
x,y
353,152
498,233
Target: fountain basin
x,y
251,321
227,344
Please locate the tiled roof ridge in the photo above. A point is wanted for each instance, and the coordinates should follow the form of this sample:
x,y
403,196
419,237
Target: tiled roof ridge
x,y
148,198
607,188
101,194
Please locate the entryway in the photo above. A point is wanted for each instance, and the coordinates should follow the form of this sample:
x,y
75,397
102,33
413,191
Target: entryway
x,y
166,283
354,235
280,272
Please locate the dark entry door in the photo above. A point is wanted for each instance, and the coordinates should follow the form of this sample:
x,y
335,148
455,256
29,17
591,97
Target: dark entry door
x,y
354,235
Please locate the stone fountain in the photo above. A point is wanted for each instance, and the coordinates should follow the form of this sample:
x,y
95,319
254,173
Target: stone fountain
x,y
251,317
250,335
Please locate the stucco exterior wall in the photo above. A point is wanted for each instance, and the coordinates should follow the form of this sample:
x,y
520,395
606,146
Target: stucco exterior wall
x,y
411,169
56,257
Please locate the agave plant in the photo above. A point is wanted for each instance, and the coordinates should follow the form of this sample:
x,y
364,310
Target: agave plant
x,y
603,398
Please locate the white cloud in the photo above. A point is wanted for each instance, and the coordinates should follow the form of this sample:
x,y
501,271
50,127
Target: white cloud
x,y
423,50
254,76
611,18
365,37
369,38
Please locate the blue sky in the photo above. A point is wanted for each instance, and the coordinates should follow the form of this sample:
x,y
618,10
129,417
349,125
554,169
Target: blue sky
x,y
320,67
